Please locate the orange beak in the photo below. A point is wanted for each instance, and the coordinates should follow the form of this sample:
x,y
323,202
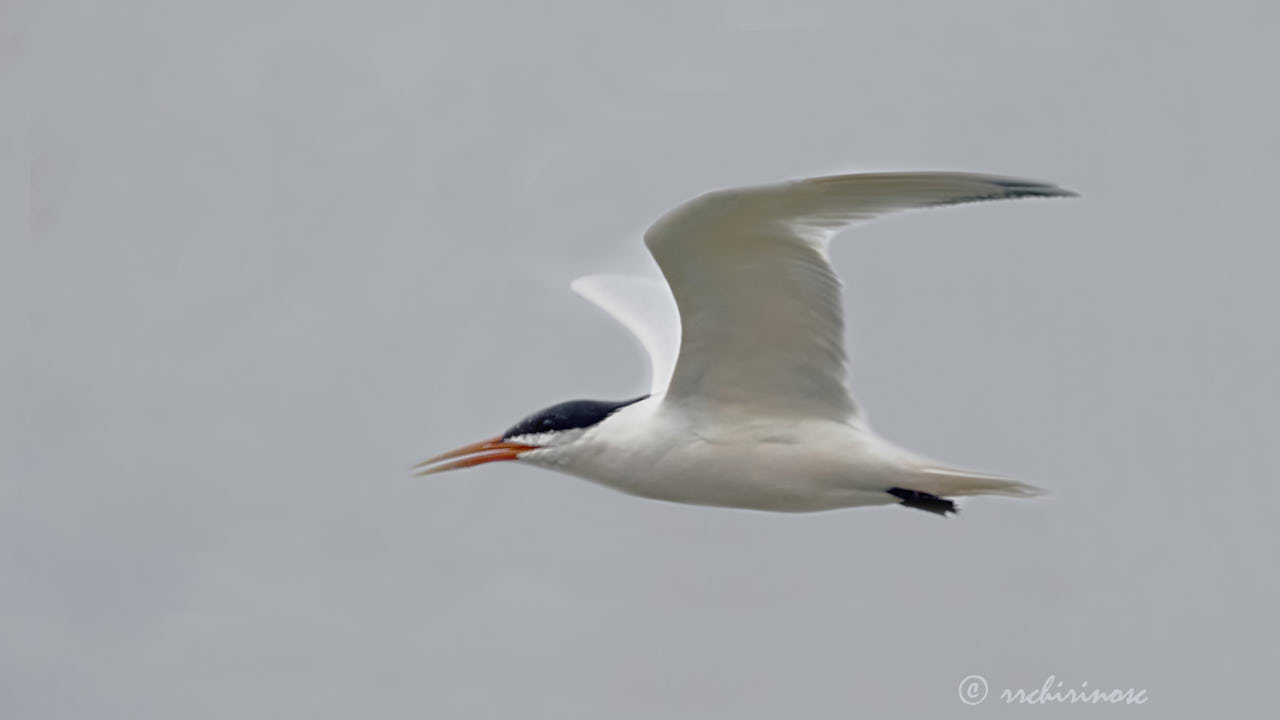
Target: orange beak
x,y
485,451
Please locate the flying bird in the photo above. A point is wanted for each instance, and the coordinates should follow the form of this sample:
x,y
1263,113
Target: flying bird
x,y
749,405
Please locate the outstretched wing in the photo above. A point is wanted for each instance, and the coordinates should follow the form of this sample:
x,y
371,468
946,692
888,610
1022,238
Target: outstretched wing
x,y
645,307
758,300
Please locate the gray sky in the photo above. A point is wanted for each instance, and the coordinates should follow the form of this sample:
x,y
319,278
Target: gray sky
x,y
261,257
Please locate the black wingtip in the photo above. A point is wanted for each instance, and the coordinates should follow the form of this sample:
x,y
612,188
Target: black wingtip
x,y
1016,188
924,501
998,188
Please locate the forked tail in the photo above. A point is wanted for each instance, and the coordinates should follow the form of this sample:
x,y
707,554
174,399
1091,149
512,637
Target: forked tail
x,y
933,485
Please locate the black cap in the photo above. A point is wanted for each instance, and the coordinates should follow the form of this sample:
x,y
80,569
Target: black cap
x,y
568,416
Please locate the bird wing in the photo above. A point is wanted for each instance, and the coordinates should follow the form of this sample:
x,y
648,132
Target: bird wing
x,y
759,302
645,307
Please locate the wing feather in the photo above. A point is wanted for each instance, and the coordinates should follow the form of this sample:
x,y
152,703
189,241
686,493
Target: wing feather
x,y
758,300
645,307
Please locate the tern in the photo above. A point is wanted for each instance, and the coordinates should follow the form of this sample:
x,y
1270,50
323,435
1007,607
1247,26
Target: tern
x,y
749,404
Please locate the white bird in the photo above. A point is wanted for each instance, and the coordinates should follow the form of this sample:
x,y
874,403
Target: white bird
x,y
750,404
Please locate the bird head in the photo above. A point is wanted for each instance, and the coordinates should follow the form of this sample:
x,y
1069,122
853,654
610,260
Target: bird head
x,y
553,428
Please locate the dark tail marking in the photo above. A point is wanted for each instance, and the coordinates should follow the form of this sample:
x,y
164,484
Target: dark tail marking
x,y
924,501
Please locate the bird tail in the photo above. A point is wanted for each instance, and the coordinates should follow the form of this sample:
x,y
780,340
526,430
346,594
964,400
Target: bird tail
x,y
952,482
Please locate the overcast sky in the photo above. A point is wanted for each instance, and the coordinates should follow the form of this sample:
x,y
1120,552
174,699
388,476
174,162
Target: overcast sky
x,y
259,257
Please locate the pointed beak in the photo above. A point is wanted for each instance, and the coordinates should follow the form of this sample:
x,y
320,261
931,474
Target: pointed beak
x,y
485,451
